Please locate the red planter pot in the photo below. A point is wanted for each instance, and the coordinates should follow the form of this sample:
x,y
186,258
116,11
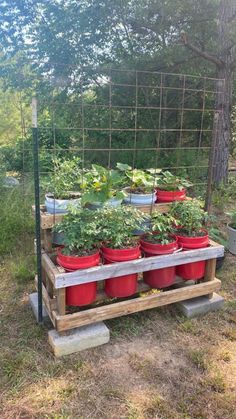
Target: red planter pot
x,y
170,196
84,294
159,278
193,242
125,285
193,270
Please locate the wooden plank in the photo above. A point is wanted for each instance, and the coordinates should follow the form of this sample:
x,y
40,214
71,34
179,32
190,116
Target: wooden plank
x,y
160,207
147,209
48,220
99,273
49,303
124,308
61,301
49,267
47,239
210,272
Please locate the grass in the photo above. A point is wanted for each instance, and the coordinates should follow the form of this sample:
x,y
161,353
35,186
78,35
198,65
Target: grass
x,y
157,365
16,220
199,358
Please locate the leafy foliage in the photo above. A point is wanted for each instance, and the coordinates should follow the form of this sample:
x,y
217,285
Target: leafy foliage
x,y
216,235
138,180
67,177
232,214
80,228
101,184
189,215
116,226
162,228
169,182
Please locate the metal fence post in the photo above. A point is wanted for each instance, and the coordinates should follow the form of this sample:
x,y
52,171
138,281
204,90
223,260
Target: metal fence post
x,y
37,205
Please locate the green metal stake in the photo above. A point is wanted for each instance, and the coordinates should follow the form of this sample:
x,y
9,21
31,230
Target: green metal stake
x,y
37,206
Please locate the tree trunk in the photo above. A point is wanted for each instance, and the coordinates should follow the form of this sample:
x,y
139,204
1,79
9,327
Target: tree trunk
x,y
225,62
227,10
222,143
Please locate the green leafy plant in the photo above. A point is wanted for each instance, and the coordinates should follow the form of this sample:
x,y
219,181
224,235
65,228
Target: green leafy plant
x,y
232,214
116,226
137,180
80,228
101,184
189,215
66,178
169,182
216,235
162,228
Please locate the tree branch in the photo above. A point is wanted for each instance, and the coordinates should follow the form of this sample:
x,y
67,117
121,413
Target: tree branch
x,y
206,55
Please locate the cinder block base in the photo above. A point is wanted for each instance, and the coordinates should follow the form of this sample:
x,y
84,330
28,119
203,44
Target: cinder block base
x,y
33,299
200,305
78,339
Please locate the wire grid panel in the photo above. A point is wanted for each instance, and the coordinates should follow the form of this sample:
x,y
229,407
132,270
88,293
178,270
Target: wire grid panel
x,y
142,118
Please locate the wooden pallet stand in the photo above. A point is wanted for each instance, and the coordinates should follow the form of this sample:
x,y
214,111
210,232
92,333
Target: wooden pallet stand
x,y
47,221
55,281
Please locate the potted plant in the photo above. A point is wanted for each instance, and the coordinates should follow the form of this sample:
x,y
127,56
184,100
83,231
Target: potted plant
x,y
141,185
101,186
80,250
116,226
171,188
160,241
232,232
63,185
190,233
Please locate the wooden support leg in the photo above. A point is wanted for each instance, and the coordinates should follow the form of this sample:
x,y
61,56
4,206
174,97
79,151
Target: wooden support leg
x,y
210,272
47,240
61,301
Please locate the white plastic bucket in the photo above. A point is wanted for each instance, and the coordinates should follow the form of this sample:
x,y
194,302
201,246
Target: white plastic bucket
x,y
59,206
232,239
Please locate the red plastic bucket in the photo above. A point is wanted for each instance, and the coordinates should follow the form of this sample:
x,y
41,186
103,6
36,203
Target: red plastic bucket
x,y
194,270
170,196
84,294
193,242
125,285
164,277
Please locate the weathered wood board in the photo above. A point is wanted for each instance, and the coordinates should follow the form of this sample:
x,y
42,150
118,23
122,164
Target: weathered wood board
x,y
133,305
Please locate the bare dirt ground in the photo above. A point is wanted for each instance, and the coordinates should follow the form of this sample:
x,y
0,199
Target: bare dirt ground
x,y
158,364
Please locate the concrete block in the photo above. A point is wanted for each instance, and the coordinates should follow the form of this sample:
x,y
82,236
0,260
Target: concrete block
x,y
33,299
200,305
78,339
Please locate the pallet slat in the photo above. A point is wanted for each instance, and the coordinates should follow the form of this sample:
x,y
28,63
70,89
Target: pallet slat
x,y
47,220
99,273
123,308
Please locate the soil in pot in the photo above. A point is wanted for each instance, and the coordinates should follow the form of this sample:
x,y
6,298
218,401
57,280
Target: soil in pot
x,y
84,294
194,270
158,278
163,196
125,285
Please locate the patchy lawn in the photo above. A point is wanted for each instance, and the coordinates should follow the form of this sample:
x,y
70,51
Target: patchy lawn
x,y
157,364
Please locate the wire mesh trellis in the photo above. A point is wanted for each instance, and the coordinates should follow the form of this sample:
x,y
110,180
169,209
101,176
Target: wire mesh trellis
x,y
142,118
145,119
